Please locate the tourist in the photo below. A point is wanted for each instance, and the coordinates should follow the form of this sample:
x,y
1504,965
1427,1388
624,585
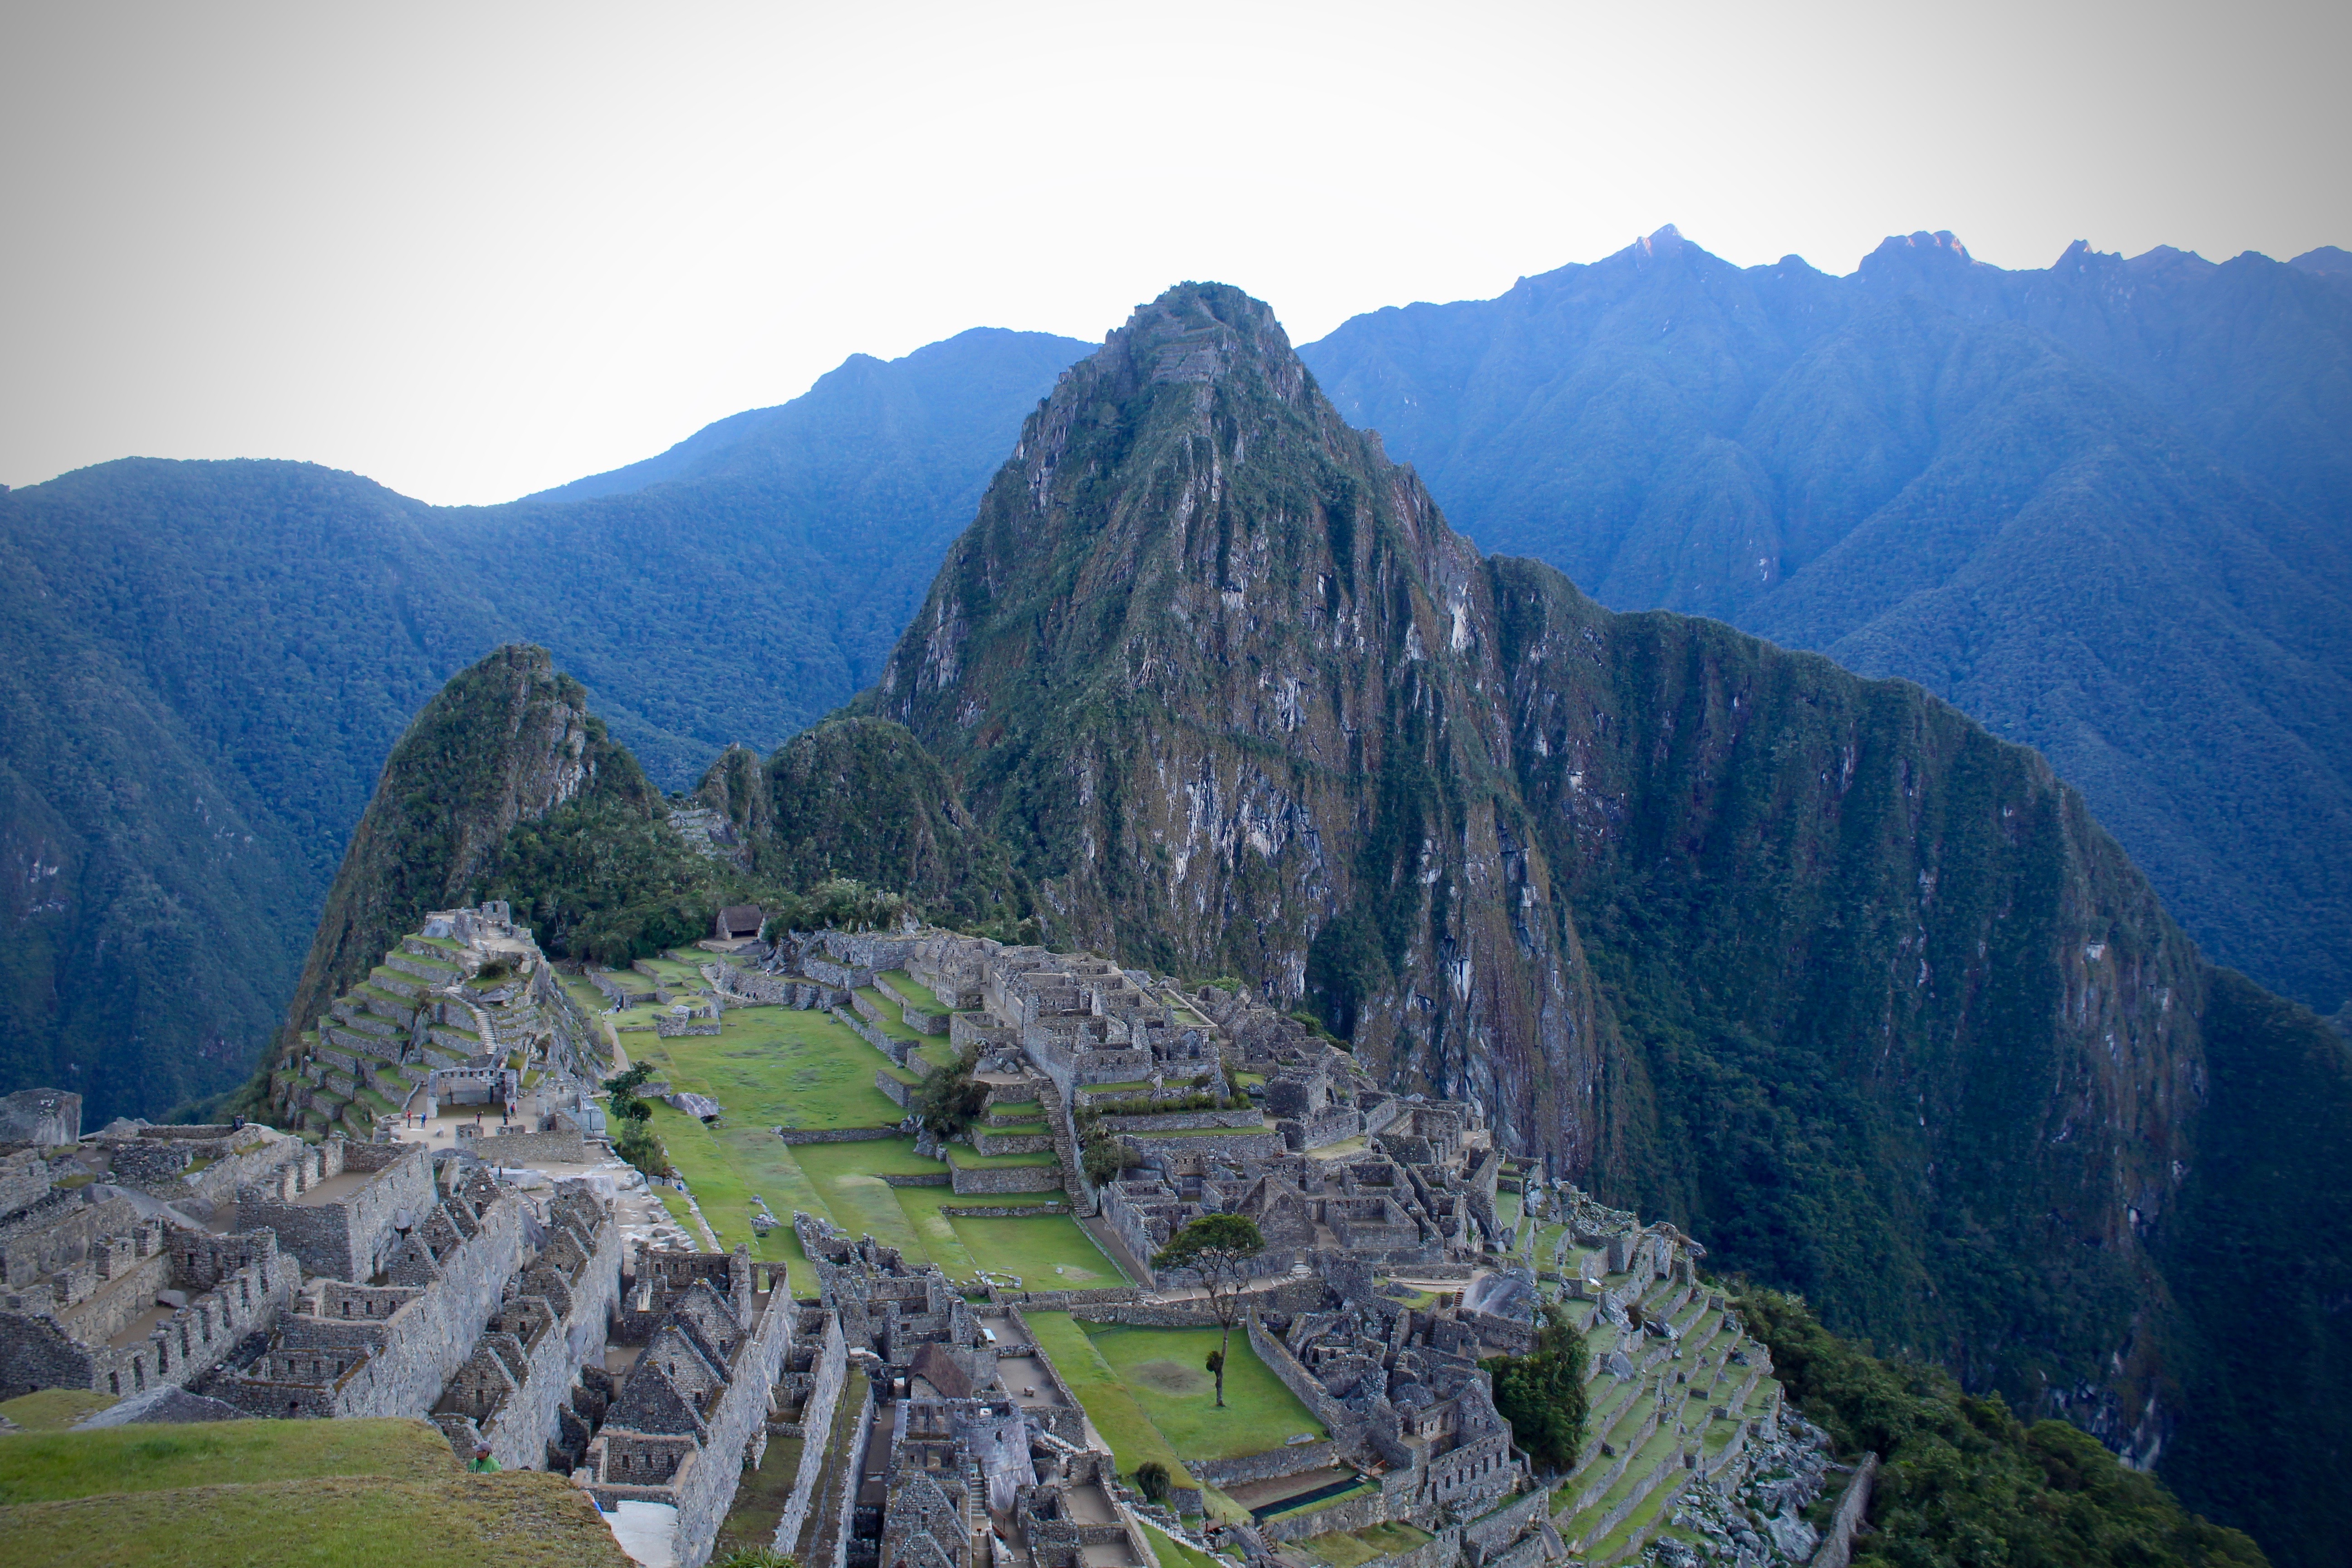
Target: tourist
x,y
482,1460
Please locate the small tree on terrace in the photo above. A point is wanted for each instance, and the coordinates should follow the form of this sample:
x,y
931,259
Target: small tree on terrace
x,y
1218,1248
1541,1393
951,1099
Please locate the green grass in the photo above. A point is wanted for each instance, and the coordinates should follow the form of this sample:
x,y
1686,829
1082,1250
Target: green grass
x,y
940,1054
919,997
760,1496
53,1409
1615,1543
1034,1246
1349,1548
1109,1402
1167,1371
779,1066
891,1024
47,1468
848,1178
526,1519
1174,1553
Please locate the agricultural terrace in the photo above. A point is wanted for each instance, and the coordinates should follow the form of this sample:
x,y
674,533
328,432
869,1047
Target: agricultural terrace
x,y
773,1066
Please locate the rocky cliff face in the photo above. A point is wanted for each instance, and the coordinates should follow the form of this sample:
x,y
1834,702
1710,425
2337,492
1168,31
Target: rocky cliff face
x,y
507,741
1811,965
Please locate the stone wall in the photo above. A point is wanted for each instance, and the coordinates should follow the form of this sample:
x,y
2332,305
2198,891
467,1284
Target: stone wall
x,y
742,1412
1339,1122
1065,1419
797,991
513,1146
832,1374
1262,1144
530,1420
1008,1179
867,1032
1298,1380
1001,1211
1180,1315
238,1285
988,1141
1170,1120
1062,1300
403,1361
1294,1460
24,1181
1358,1512
347,1238
896,1089
852,1478
833,1134
915,1178
1837,1543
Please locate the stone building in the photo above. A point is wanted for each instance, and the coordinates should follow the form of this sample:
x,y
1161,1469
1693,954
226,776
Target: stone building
x,y
694,1406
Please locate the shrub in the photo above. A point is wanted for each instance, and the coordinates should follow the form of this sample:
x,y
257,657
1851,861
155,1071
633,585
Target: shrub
x,y
1151,1481
1541,1393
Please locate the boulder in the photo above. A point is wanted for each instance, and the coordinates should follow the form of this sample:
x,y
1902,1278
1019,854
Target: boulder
x,y
168,1405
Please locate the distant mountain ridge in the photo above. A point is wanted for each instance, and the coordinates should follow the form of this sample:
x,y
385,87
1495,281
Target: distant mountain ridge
x,y
204,667
2105,507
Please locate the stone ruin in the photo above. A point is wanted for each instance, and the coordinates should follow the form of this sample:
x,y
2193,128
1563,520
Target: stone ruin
x,y
465,1011
1389,1274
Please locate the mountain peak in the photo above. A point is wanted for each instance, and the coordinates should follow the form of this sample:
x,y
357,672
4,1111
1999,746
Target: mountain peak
x,y
1200,332
2327,258
1920,248
1665,241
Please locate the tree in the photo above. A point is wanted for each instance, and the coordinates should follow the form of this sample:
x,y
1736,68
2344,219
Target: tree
x,y
951,1099
1541,1393
1218,1248
631,1121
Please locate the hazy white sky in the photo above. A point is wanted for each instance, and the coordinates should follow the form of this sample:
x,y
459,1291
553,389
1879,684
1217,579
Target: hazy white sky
x,y
474,250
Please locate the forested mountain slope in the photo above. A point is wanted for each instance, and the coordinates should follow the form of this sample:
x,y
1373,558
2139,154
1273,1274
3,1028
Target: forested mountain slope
x,y
203,666
2105,507
1809,963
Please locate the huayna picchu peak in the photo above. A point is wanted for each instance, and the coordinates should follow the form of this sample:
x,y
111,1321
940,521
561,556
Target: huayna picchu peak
x,y
1809,965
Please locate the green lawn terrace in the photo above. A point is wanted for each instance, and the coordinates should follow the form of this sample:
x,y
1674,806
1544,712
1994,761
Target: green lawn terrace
x,y
1668,1406
304,1494
1149,1396
806,1071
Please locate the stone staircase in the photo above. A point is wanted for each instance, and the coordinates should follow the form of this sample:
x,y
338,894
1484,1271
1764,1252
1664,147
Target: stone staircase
x,y
1065,1147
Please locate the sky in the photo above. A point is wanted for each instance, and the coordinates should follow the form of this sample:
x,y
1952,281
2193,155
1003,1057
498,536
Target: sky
x,y
476,250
